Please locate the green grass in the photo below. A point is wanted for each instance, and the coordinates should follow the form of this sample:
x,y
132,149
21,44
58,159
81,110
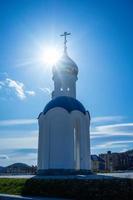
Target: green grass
x,y
12,185
120,189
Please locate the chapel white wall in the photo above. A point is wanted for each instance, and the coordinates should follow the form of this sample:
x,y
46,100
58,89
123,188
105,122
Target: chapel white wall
x,y
56,139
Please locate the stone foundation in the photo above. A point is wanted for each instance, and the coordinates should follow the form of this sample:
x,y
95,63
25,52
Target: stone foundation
x,y
56,172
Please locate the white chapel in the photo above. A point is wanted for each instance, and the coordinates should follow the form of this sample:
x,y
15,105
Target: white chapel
x,y
64,136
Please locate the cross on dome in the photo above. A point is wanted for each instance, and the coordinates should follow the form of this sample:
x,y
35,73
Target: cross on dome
x,y
65,74
65,34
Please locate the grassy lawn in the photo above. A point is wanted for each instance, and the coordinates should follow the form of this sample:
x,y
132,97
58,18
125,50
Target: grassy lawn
x,y
120,189
12,186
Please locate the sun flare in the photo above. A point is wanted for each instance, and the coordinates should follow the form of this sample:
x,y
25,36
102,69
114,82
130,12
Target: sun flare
x,y
50,55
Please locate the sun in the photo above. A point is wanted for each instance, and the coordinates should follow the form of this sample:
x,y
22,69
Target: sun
x,y
50,55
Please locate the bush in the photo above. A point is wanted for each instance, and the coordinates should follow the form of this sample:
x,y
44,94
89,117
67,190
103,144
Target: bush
x,y
81,189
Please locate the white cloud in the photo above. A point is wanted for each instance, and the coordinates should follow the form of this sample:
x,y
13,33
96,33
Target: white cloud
x,y
2,83
115,127
18,133
17,122
105,119
111,131
124,150
3,157
46,90
122,129
113,144
105,135
31,93
17,143
10,156
10,87
30,159
17,86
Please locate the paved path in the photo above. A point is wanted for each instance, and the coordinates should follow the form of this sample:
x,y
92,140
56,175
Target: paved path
x,y
16,176
93,176
119,175
17,197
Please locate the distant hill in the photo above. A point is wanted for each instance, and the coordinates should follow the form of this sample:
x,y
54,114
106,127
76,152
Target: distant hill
x,y
18,169
18,165
2,169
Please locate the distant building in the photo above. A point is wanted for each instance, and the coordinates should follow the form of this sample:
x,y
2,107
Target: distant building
x,y
107,157
18,168
118,161
97,163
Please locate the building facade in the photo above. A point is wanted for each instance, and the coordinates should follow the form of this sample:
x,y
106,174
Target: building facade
x,y
97,164
118,161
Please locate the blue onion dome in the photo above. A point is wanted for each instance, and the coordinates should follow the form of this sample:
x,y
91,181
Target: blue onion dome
x,y
68,103
65,64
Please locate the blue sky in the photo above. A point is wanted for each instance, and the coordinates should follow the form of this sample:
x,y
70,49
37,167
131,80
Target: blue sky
x,y
102,46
